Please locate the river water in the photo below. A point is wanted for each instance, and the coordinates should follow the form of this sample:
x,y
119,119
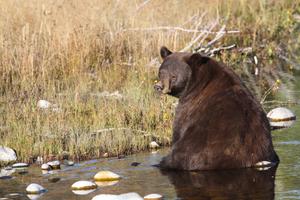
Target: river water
x,y
280,183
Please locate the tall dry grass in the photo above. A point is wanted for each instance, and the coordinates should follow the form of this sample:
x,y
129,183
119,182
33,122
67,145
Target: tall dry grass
x,y
68,52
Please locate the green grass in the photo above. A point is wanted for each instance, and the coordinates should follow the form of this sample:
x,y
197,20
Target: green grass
x,y
68,52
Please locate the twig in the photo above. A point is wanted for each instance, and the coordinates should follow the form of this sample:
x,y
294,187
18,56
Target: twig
x,y
201,35
142,5
168,28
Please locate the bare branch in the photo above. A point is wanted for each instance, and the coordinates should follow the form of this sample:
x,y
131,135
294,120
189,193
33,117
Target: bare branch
x,y
168,28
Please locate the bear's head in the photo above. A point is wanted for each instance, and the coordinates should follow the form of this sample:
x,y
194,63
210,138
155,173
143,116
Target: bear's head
x,y
176,70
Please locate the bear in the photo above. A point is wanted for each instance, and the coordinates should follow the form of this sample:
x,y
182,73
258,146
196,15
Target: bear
x,y
218,123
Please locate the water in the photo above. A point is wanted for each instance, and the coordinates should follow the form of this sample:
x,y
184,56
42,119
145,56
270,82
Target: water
x,y
145,179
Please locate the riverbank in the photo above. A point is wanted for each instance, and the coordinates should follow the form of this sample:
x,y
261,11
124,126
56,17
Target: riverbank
x,y
97,66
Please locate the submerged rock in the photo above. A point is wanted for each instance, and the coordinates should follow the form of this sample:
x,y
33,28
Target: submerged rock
x,y
127,196
106,176
34,188
7,154
281,118
153,197
84,185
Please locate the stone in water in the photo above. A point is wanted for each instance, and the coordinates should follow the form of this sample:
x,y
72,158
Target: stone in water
x,y
84,185
106,176
7,154
34,188
281,118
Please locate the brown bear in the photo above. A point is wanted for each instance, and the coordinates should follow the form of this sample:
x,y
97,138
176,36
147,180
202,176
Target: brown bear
x,y
218,122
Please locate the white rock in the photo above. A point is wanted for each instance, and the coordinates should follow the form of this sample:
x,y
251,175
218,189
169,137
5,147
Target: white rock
x,y
153,145
43,104
127,196
54,164
69,163
281,117
83,192
153,197
20,165
6,172
45,166
34,188
7,154
84,185
106,176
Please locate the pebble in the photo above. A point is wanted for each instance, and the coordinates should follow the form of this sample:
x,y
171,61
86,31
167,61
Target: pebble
x,y
20,165
34,188
153,197
43,104
153,145
54,164
83,192
84,185
281,118
45,166
106,176
69,163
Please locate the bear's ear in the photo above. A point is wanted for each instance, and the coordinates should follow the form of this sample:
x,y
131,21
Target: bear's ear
x,y
196,59
164,52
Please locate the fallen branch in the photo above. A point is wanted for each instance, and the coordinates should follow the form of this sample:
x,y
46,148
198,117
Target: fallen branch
x,y
168,28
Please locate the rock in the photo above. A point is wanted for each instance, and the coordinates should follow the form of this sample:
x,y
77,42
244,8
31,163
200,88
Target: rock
x,y
6,173
281,118
105,155
45,167
135,164
34,188
54,164
106,176
84,185
69,163
153,145
127,196
106,183
20,165
153,197
7,154
43,104
53,179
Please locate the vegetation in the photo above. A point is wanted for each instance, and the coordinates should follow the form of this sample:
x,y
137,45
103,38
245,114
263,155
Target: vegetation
x,y
70,52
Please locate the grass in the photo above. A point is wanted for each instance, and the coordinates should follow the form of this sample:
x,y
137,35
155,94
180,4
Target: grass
x,y
68,52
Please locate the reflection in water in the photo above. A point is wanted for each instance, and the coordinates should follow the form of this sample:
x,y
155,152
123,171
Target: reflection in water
x,y
225,184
